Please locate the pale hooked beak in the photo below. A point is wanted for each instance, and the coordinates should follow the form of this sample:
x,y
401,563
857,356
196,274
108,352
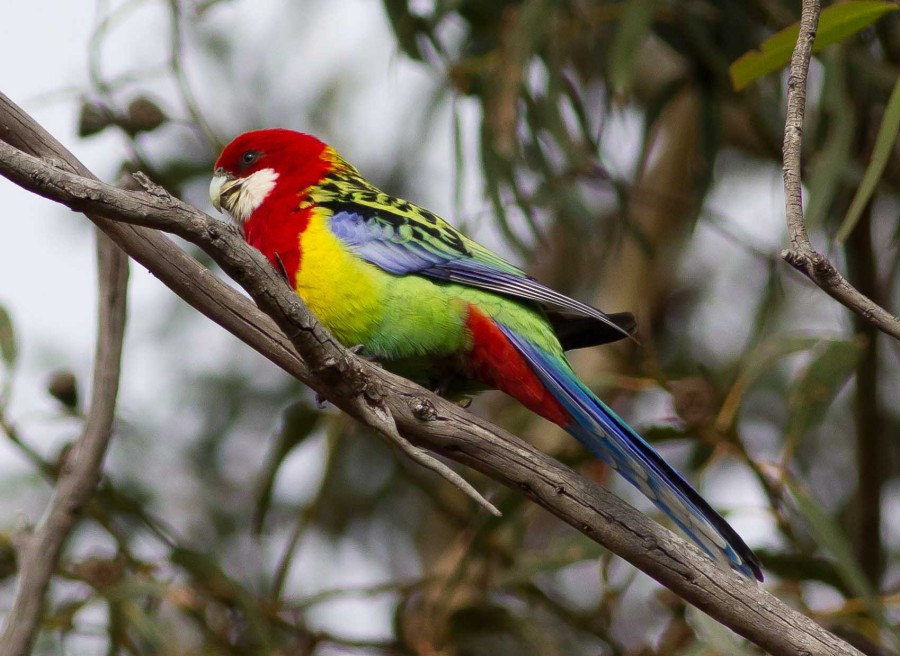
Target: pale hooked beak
x,y
221,190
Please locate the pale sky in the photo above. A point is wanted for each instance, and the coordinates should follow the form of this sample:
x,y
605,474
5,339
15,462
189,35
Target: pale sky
x,y
47,278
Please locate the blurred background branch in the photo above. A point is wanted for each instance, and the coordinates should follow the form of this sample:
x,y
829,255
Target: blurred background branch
x,y
602,144
390,404
38,552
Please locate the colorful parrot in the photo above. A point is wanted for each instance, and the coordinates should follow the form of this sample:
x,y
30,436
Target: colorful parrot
x,y
427,302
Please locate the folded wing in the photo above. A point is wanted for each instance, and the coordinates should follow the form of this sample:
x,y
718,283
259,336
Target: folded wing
x,y
404,239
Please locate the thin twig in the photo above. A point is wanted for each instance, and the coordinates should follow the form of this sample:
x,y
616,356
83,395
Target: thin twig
x,y
380,418
801,255
180,272
389,587
187,95
372,411
422,417
80,472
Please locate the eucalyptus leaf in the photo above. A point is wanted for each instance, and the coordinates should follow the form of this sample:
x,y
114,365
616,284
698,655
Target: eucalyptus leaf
x,y
884,145
755,364
9,350
298,423
633,27
721,639
831,538
829,165
813,391
836,23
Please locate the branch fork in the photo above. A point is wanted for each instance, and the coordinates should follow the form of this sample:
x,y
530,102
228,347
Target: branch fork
x,y
282,329
801,255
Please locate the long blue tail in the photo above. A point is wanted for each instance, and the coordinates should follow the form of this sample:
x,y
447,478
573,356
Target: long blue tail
x,y
608,437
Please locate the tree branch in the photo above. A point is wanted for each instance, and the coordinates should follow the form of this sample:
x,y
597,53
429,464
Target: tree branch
x,y
801,255
176,269
81,470
364,390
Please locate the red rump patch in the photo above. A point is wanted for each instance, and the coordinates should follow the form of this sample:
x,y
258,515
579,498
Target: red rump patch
x,y
495,361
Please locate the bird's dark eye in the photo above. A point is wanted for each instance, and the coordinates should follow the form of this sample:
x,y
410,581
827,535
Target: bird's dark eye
x,y
249,158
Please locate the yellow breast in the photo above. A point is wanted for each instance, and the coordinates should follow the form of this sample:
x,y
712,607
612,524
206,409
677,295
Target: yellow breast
x,y
342,290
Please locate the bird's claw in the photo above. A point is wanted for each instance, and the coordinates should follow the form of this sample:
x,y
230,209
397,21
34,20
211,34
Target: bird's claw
x,y
321,401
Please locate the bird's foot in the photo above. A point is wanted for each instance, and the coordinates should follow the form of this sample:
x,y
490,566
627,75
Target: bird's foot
x,y
321,401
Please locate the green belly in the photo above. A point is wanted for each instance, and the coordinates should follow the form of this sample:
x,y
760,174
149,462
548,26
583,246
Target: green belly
x,y
413,325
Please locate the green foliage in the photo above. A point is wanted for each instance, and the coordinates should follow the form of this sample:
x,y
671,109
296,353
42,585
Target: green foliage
x,y
831,164
601,146
836,23
8,560
717,637
813,392
634,27
9,350
490,630
407,27
298,422
884,145
832,539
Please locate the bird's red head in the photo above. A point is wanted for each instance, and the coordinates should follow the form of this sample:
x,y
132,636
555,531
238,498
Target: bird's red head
x,y
262,164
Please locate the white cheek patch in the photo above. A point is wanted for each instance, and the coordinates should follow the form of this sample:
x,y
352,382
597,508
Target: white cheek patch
x,y
255,188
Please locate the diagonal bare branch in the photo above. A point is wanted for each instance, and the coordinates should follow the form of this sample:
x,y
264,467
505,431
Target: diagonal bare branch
x,y
176,269
427,420
375,415
801,255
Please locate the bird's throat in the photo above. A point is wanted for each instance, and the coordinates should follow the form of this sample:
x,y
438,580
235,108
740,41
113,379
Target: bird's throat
x,y
249,195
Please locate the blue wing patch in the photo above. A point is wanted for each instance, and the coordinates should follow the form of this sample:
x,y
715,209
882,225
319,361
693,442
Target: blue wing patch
x,y
401,245
383,244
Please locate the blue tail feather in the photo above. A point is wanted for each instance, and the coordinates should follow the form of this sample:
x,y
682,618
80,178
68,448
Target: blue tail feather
x,y
608,437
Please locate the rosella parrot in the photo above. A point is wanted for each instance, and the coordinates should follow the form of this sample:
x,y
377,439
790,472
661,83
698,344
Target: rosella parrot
x,y
418,296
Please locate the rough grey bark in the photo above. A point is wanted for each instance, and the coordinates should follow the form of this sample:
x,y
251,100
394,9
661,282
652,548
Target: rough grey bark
x,y
387,402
